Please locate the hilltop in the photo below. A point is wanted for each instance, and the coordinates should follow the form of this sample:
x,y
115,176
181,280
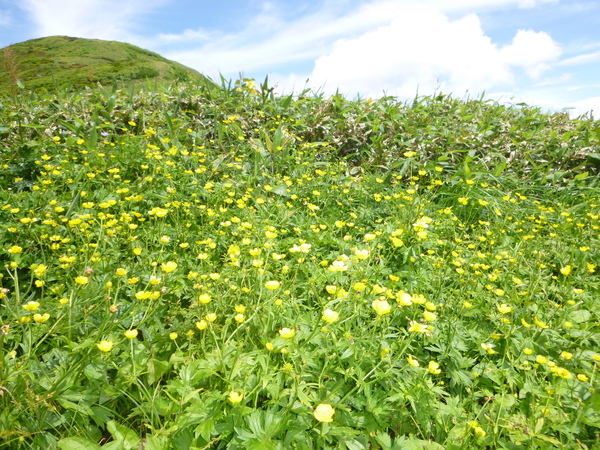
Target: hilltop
x,y
54,61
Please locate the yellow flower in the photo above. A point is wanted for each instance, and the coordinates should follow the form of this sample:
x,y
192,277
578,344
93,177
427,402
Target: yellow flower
x,y
173,336
359,286
235,397
566,270
137,251
131,334
204,299
105,346
489,348
41,318
397,242
541,359
404,298
479,432
419,299
31,306
330,316
40,270
582,377
429,316
504,308
566,355
527,351
201,325
331,289
539,323
362,254
381,307
272,285
413,362
338,266
324,413
240,309
561,372
239,318
269,346
417,327
434,368
15,250
287,333
121,272
82,280
169,267
499,292
211,317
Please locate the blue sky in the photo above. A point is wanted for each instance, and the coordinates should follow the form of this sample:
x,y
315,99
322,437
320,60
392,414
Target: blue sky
x,y
542,52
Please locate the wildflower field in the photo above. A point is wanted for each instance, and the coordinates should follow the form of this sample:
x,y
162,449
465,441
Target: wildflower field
x,y
208,266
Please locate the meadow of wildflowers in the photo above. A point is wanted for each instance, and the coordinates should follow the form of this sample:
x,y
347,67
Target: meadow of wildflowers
x,y
203,267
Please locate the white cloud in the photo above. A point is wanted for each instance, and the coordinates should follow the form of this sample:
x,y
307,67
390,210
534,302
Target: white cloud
x,y
533,3
396,46
581,59
422,49
588,105
99,19
533,51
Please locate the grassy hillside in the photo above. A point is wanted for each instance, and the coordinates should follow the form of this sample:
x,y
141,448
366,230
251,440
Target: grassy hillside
x,y
220,267
51,62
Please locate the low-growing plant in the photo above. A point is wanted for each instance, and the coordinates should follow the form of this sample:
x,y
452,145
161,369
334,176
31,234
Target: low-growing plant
x,y
222,267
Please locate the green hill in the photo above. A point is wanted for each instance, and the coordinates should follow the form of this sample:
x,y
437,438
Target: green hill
x,y
58,60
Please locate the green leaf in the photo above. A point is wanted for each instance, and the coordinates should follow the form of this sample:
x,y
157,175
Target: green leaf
x,y
418,444
581,176
580,316
77,443
156,443
128,438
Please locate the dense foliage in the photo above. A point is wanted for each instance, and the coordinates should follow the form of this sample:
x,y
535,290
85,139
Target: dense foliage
x,y
221,267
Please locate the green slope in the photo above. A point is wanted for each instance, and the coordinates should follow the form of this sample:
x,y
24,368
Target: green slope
x,y
58,60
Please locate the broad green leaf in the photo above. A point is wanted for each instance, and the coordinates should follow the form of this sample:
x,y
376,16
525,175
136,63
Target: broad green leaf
x,y
127,437
77,443
580,316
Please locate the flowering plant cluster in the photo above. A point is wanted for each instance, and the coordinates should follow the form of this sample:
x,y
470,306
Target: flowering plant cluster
x,y
221,267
